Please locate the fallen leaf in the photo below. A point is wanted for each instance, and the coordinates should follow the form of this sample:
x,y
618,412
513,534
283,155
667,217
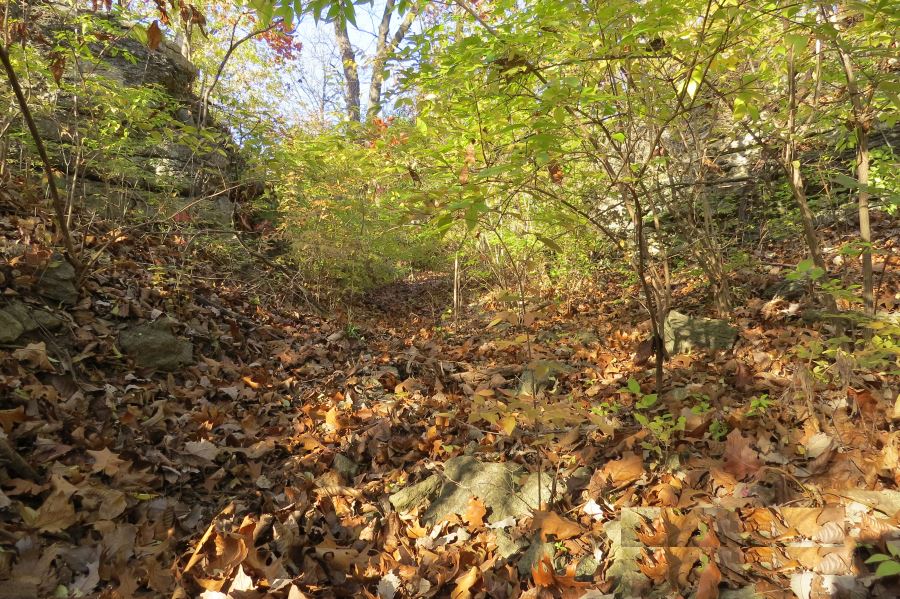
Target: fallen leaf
x,y
741,460
464,584
552,525
106,461
475,512
708,585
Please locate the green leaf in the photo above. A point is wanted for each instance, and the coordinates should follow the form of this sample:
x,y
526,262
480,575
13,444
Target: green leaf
x,y
878,558
797,42
634,386
618,136
887,568
549,243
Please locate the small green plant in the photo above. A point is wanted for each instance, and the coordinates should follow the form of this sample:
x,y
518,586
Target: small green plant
x,y
759,405
888,565
605,409
353,332
702,406
643,401
662,426
718,430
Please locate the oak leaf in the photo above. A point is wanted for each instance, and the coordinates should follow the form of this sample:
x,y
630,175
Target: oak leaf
x,y
552,524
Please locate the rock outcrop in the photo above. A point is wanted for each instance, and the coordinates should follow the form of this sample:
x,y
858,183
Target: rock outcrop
x,y
684,333
155,346
140,99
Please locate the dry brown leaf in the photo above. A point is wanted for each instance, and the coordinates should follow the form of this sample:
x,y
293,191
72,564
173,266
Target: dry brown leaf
x,y
708,585
475,512
542,572
464,584
35,355
741,460
553,525
106,461
616,474
56,513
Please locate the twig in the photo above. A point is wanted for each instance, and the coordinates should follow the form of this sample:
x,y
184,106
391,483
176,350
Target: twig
x,y
58,206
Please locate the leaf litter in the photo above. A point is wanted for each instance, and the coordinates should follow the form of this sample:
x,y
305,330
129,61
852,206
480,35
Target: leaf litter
x,y
271,465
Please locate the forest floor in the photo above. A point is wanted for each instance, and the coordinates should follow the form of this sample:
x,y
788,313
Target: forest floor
x,y
393,453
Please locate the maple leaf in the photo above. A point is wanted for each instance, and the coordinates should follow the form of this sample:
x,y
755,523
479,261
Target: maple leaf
x,y
741,460
106,461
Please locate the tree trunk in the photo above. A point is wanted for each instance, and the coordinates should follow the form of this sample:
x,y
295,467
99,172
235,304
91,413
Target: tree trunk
x,y
862,175
386,47
351,72
792,169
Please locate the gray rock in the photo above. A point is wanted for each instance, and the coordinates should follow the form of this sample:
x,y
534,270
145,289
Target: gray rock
x,y
498,486
506,545
22,313
533,554
344,466
33,319
790,290
586,567
46,320
538,376
10,327
684,333
57,282
409,498
154,345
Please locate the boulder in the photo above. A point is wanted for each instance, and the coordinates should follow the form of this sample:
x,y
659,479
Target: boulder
x,y
503,489
33,319
57,282
684,333
10,328
344,466
154,345
409,498
788,289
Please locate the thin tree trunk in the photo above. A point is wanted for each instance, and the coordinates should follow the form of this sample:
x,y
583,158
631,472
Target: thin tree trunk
x,y
351,71
386,47
792,169
862,175
58,205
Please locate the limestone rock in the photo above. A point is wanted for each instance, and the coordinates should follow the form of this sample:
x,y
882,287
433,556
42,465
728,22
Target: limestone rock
x,y
683,333
10,328
344,466
508,546
536,550
791,290
498,486
154,345
586,567
57,282
406,499
33,319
